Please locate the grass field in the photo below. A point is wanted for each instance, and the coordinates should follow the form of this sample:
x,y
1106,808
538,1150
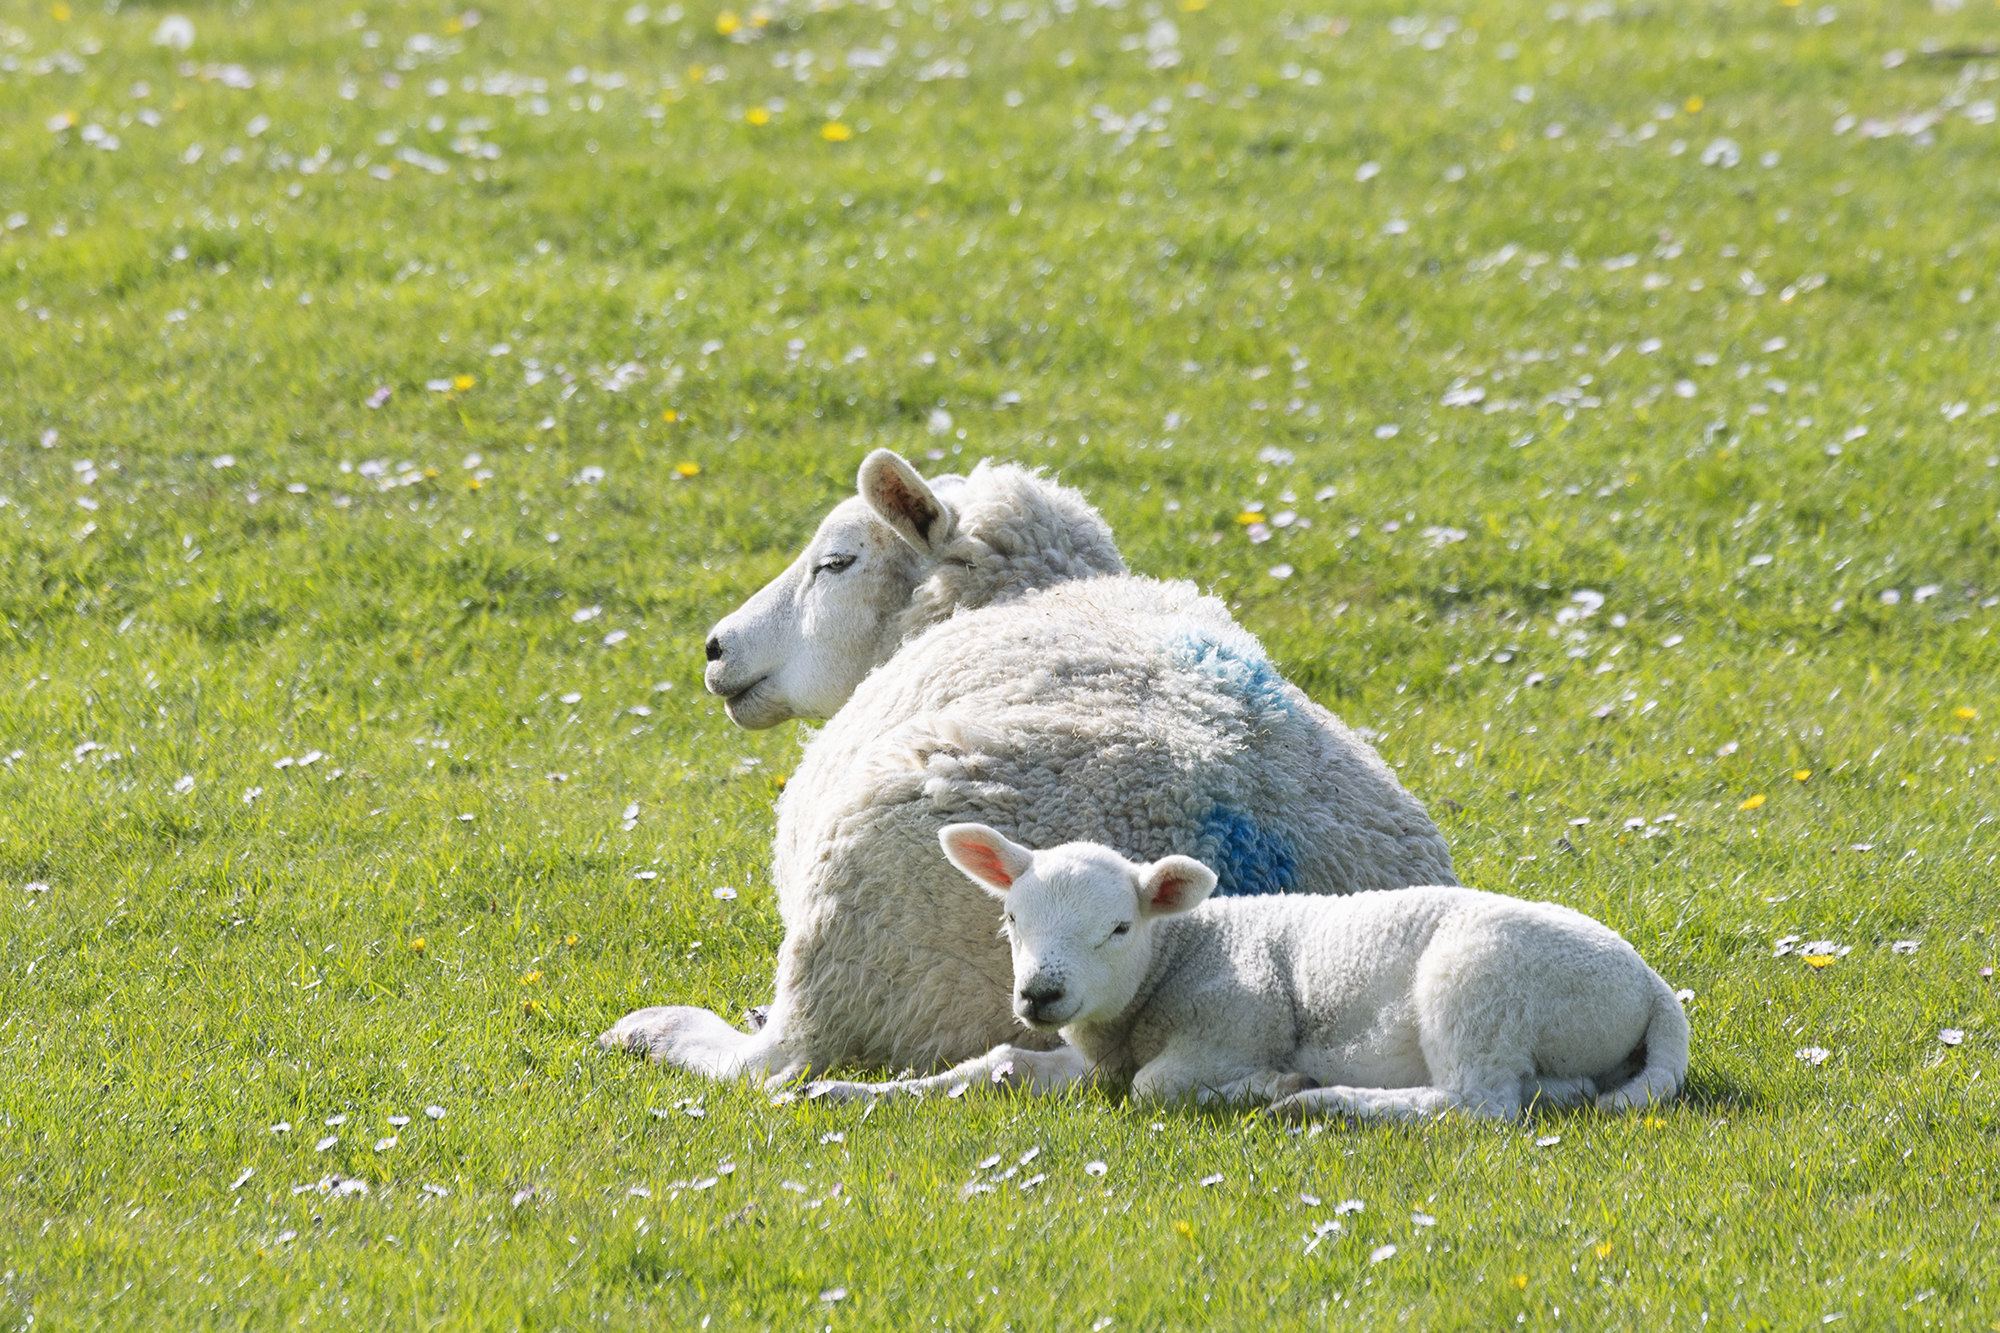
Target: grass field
x,y
390,399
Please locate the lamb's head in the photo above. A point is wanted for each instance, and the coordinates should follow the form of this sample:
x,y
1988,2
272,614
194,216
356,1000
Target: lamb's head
x,y
1079,917
900,556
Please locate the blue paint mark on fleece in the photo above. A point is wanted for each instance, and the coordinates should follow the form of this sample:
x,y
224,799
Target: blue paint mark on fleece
x,y
1247,675
1246,858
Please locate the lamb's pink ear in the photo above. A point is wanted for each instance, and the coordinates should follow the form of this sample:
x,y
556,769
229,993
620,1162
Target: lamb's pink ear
x,y
1174,884
986,856
904,501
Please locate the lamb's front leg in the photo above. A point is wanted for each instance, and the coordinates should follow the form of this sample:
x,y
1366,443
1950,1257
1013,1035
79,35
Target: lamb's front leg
x,y
1493,1099
1038,1072
1212,1078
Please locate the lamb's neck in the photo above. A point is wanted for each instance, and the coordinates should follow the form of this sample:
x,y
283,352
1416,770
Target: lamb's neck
x,y
1107,1045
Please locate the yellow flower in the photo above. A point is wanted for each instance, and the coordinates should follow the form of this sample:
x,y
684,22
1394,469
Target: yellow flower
x,y
726,22
757,115
463,382
835,132
1652,1122
1819,959
570,940
1246,518
1694,104
760,18
687,469
1185,1230
61,13
1801,775
531,1006
1193,6
473,484
670,415
1752,803
417,944
530,978
1967,714
1604,1250
1521,1281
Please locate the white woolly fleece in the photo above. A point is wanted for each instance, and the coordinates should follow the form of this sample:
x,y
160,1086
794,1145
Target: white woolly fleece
x,y
1117,710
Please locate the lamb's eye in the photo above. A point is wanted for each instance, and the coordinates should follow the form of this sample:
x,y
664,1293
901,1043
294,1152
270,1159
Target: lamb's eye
x,y
834,564
1122,928
1007,920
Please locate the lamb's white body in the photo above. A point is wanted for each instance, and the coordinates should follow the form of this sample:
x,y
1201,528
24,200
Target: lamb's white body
x,y
1107,707
1404,1003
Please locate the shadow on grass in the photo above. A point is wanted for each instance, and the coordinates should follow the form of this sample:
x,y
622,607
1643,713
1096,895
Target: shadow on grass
x,y
1712,1092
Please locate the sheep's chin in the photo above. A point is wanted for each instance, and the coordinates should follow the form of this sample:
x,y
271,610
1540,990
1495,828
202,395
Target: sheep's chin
x,y
752,708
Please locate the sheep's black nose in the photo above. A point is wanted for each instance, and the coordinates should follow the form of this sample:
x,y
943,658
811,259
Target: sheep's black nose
x,y
714,648
1037,996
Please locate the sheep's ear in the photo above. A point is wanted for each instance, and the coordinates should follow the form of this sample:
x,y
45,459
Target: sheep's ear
x,y
905,502
1173,884
986,856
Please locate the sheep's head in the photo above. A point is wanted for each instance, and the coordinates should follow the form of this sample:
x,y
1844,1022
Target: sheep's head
x,y
805,640
1079,918
900,556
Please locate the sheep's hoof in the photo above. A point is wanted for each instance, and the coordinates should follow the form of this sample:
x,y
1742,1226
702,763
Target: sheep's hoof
x,y
1297,1108
1290,1085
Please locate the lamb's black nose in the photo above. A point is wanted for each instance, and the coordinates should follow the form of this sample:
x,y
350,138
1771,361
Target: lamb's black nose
x,y
1035,996
714,648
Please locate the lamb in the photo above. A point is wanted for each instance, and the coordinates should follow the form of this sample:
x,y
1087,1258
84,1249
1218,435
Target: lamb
x,y
985,657
1382,1004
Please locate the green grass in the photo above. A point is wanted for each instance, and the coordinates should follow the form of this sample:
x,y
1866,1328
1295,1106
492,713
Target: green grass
x,y
203,966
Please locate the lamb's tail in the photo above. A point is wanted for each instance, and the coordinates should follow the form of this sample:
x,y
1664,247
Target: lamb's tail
x,y
1666,1056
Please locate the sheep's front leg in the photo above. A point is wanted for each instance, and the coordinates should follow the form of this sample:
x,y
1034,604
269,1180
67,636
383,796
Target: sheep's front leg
x,y
695,1040
1038,1072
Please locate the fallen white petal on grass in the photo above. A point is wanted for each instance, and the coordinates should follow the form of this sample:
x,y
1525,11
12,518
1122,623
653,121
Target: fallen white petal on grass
x,y
243,1179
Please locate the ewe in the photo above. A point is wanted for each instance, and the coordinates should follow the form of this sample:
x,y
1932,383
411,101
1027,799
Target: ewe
x,y
1382,1004
988,659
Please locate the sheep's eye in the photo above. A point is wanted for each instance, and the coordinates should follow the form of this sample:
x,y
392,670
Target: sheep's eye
x,y
1007,920
834,564
1122,928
